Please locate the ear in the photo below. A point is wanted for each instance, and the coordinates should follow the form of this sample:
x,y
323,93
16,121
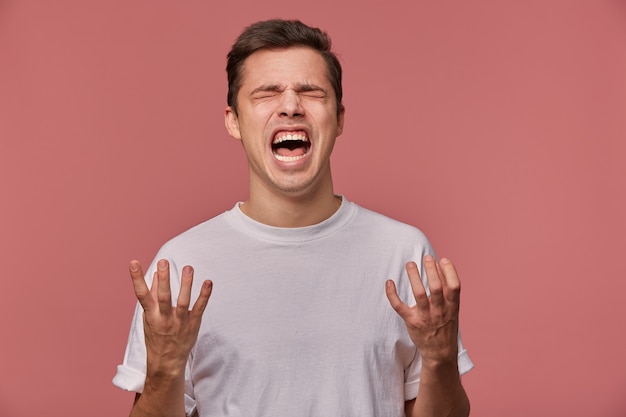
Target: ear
x,y
340,117
232,123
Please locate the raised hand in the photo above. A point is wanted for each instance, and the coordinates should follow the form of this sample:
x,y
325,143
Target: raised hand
x,y
433,323
170,332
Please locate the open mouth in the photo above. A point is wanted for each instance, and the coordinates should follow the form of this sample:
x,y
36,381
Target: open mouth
x,y
290,146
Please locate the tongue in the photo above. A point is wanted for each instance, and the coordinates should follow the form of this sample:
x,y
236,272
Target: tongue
x,y
299,151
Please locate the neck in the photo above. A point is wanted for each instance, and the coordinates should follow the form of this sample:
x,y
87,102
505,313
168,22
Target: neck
x,y
281,210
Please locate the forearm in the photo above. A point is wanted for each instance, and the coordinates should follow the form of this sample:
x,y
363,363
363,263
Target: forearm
x,y
161,397
440,393
170,333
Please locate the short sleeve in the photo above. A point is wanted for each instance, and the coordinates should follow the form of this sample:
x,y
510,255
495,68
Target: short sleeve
x,y
131,373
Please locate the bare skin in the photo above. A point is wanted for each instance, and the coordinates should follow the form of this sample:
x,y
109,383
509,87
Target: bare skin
x,y
288,91
433,326
170,334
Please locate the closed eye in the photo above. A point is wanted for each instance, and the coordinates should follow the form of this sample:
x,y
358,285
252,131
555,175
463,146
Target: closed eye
x,y
266,91
314,94
260,96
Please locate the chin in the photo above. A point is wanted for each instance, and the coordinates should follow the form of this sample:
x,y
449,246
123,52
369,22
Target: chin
x,y
296,187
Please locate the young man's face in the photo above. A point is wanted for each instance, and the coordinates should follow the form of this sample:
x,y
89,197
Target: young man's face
x,y
287,120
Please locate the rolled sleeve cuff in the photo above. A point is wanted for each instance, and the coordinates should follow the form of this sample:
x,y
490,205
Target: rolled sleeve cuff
x,y
129,379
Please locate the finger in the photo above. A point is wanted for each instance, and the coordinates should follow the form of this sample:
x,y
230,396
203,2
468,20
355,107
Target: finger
x,y
452,290
444,285
419,292
395,301
184,297
434,281
203,299
164,294
139,285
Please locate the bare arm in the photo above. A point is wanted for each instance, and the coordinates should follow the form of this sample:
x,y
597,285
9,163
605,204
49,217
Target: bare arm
x,y
433,327
170,334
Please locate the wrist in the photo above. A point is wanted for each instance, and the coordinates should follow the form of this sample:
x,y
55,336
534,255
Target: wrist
x,y
161,382
165,373
446,365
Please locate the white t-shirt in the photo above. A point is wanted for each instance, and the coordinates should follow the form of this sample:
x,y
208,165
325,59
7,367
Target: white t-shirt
x,y
298,323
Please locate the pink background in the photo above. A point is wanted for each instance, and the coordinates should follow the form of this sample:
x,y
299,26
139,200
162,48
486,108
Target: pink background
x,y
497,127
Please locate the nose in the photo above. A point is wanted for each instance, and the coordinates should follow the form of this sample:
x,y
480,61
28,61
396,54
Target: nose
x,y
290,105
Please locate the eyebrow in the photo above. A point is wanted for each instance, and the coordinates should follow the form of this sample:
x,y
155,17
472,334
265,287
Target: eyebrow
x,y
279,88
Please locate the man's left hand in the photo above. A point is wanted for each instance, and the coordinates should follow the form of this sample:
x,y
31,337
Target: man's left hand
x,y
433,322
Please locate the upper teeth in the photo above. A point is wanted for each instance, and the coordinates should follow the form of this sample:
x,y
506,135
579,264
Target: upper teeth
x,y
289,136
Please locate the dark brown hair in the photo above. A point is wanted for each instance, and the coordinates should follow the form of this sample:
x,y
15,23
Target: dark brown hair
x,y
279,34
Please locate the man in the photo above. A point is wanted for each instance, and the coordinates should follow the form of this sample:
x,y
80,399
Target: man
x,y
302,322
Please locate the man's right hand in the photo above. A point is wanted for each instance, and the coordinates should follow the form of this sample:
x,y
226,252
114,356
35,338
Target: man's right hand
x,y
170,333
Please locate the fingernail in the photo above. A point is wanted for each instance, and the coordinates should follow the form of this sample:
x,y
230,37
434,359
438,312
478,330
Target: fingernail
x,y
133,266
445,261
428,258
162,265
187,270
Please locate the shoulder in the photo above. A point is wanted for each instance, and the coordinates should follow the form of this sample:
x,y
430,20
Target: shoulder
x,y
201,234
386,228
380,221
